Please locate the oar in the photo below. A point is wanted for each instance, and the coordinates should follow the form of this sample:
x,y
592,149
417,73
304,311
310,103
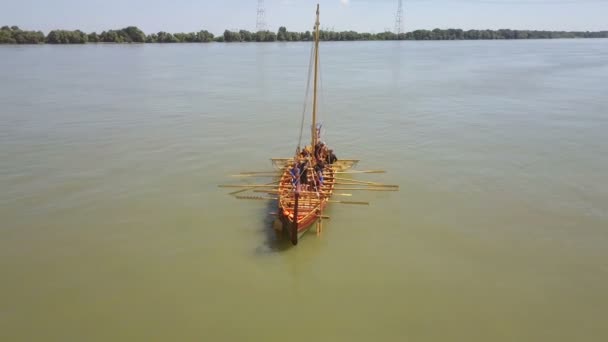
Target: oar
x,y
372,185
349,202
239,191
257,198
345,195
367,189
259,173
289,159
267,191
246,186
246,189
323,217
276,192
360,181
357,172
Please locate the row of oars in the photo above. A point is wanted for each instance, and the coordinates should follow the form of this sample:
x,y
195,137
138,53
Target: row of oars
x,y
348,184
340,184
246,187
364,187
275,198
272,190
278,173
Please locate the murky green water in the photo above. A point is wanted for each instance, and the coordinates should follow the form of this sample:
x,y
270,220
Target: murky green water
x,y
113,229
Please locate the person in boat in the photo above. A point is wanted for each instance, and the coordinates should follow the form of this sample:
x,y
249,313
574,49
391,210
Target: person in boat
x,y
303,167
317,147
319,174
295,177
331,157
320,147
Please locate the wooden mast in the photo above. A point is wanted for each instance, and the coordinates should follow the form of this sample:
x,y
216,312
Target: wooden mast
x,y
314,99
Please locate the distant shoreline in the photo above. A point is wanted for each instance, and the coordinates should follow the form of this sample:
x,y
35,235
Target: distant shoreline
x,y
16,36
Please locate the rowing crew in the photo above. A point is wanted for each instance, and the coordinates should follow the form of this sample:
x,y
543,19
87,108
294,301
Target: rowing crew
x,y
302,167
323,154
300,176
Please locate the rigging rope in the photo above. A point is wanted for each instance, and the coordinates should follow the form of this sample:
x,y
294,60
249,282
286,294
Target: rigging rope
x,y
321,98
310,65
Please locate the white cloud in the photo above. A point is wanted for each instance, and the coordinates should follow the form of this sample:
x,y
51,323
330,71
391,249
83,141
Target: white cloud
x,y
344,2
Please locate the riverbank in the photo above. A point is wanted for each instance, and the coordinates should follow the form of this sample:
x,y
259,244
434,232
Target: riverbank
x,y
132,34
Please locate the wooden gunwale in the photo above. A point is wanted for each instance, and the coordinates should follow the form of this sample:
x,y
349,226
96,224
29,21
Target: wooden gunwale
x,y
310,206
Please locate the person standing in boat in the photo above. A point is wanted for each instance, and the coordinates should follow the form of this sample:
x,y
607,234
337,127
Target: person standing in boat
x,y
295,177
319,174
331,157
320,147
303,167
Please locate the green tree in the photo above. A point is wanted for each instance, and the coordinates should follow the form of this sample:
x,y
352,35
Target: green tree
x,y
134,34
270,37
164,37
66,37
28,37
79,37
6,36
191,37
260,36
265,36
204,36
14,35
437,34
230,36
422,34
349,35
459,34
152,38
93,37
110,37
180,37
282,34
294,36
246,36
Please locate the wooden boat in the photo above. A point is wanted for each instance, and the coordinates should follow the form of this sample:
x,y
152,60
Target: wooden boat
x,y
299,209
303,199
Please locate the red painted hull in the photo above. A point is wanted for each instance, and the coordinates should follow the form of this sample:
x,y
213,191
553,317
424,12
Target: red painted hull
x,y
311,203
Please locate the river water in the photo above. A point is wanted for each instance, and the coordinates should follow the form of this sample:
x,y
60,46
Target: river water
x,y
112,227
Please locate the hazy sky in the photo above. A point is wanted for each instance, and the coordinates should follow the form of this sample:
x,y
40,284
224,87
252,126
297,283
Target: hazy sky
x,y
359,15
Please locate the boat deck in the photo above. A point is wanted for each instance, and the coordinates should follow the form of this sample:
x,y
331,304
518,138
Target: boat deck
x,y
311,203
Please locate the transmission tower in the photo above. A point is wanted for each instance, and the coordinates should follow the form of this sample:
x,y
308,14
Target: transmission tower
x,y
260,24
399,19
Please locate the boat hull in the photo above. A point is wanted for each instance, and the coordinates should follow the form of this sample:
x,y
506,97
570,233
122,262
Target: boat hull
x,y
311,202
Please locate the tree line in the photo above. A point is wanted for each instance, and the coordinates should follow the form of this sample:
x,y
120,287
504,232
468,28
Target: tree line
x,y
132,34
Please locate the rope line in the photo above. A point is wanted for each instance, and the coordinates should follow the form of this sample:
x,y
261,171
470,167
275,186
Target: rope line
x,y
306,98
321,97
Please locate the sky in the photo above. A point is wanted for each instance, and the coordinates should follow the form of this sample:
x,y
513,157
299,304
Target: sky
x,y
298,15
